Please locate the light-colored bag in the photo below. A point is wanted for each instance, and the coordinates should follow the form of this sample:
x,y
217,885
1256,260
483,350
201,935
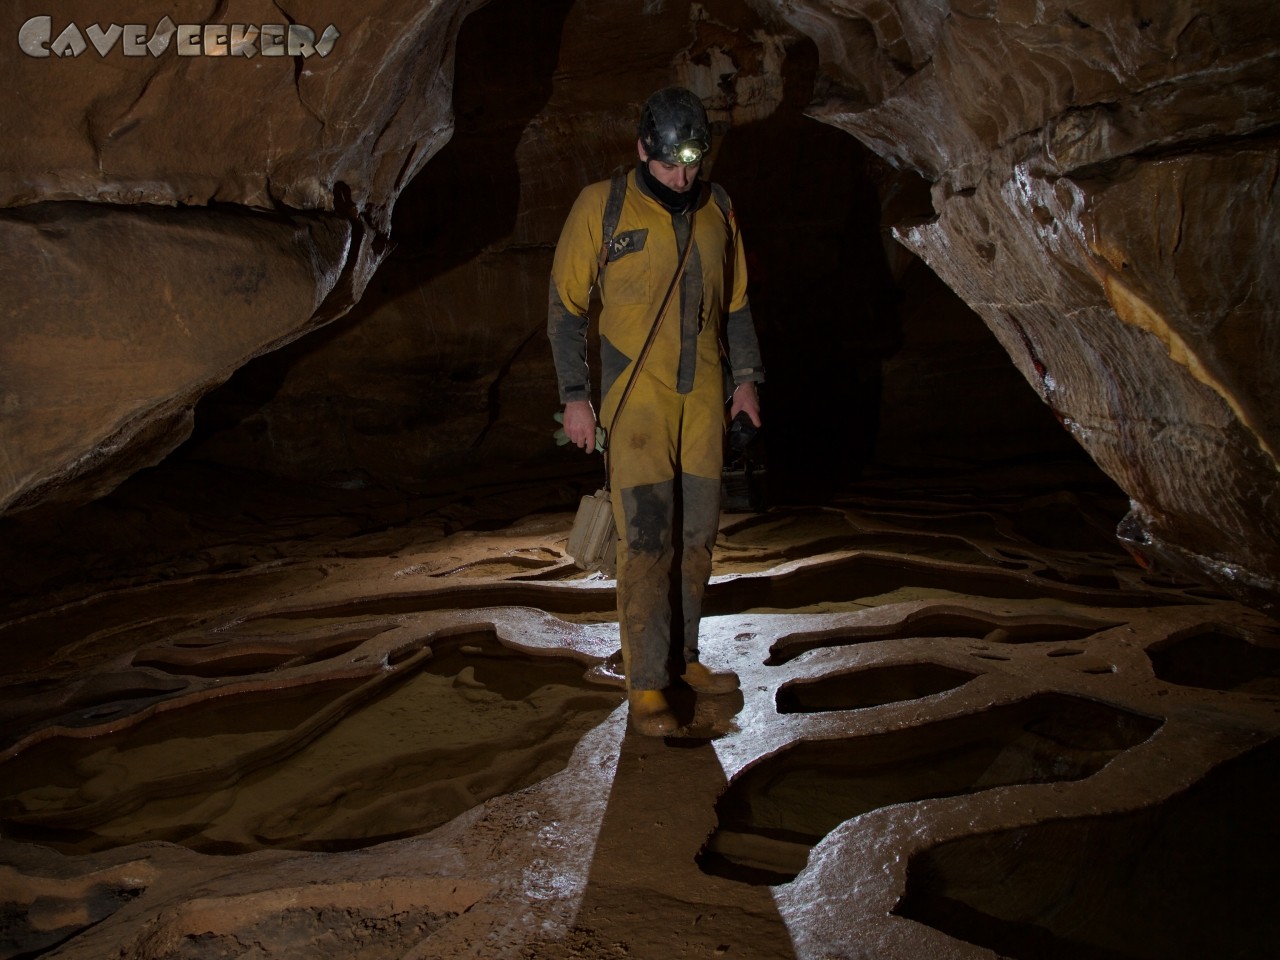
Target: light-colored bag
x,y
593,541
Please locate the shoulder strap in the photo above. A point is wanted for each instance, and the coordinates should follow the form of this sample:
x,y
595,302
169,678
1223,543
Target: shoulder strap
x,y
648,343
722,200
612,212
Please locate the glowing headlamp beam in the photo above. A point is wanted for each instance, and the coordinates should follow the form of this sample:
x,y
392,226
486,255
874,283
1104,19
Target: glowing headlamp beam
x,y
688,153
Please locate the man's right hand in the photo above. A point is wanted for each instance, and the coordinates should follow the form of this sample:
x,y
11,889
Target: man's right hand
x,y
580,424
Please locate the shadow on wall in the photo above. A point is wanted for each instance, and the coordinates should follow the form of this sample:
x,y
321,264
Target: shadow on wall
x,y
443,367
821,289
464,200
468,195
869,365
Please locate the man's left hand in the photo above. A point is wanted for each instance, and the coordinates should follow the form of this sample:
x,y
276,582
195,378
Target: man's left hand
x,y
746,397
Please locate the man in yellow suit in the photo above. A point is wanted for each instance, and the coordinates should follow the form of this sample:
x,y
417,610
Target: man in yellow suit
x,y
664,248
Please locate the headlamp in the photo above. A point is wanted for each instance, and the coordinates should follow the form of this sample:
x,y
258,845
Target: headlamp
x,y
689,152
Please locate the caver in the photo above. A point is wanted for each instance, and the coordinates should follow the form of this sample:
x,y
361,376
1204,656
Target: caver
x,y
665,250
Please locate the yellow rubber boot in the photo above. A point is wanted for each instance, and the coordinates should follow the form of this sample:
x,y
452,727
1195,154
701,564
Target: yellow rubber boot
x,y
705,680
650,714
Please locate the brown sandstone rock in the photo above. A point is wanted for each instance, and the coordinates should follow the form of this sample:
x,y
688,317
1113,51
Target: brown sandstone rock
x,y
117,319
1103,184
445,362
1105,196
260,131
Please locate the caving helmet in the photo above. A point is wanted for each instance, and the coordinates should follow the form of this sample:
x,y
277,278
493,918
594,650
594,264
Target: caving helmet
x,y
674,127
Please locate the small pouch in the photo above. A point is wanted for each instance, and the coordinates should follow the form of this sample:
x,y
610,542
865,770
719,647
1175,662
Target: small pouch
x,y
593,541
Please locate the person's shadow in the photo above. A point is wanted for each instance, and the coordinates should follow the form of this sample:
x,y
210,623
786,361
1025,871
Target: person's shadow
x,y
645,892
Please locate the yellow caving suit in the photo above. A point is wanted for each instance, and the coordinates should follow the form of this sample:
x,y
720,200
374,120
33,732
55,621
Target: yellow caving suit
x,y
672,425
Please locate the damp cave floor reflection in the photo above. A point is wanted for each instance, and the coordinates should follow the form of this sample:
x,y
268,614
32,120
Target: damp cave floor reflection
x,y
360,724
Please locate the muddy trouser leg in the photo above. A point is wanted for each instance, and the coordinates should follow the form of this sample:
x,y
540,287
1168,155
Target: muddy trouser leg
x,y
645,553
701,509
642,457
661,439
701,462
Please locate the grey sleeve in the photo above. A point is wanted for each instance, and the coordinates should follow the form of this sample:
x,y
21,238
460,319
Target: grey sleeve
x,y
744,348
568,334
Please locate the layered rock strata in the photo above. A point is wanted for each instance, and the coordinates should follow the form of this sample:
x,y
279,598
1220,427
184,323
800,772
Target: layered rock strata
x,y
1103,187
179,203
1104,181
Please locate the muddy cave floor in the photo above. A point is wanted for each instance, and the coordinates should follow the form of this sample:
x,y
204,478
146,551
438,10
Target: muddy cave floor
x,y
368,726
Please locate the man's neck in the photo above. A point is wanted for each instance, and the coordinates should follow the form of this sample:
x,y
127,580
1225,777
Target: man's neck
x,y
673,200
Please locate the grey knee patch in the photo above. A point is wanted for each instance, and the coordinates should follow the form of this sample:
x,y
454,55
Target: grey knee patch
x,y
701,505
648,512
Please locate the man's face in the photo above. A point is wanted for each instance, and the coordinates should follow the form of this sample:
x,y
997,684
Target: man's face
x,y
678,176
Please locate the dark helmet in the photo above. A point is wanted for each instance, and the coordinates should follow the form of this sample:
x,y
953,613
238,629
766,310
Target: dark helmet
x,y
674,127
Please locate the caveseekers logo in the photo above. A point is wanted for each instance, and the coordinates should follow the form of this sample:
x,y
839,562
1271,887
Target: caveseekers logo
x,y
36,38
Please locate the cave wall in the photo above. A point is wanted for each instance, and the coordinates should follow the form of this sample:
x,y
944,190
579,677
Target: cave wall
x,y
1104,185
444,365
1099,187
168,217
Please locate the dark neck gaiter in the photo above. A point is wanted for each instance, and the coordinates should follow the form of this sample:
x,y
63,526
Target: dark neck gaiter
x,y
671,199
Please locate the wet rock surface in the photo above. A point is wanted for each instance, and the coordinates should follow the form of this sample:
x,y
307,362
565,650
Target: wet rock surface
x,y
384,738
1140,884
1096,182
348,713
1104,198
